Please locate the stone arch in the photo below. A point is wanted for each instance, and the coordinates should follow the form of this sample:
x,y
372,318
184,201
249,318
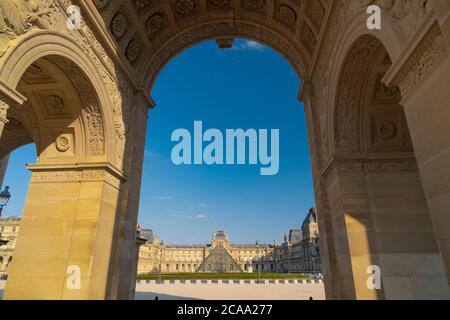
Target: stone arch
x,y
391,37
76,186
364,58
150,33
50,48
217,30
378,211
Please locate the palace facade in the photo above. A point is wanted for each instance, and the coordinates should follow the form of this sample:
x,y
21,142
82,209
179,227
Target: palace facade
x,y
9,230
298,254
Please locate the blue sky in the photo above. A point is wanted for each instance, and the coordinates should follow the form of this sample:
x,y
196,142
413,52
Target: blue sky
x,y
249,86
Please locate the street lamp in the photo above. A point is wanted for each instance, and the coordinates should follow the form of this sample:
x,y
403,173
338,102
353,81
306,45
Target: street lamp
x,y
4,198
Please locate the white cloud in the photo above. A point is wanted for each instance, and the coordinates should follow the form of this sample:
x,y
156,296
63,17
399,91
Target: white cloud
x,y
246,45
190,216
165,198
249,45
253,45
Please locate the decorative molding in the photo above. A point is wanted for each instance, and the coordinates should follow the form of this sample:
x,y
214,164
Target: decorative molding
x,y
64,143
348,98
421,62
91,108
369,166
409,14
76,173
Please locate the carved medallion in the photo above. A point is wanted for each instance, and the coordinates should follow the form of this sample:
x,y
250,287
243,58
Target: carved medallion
x,y
63,143
133,50
386,130
119,25
184,6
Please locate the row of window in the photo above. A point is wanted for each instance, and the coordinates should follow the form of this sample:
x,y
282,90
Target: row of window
x,y
11,229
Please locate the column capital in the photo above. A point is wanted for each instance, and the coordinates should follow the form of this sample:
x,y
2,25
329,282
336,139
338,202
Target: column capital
x,y
79,172
9,96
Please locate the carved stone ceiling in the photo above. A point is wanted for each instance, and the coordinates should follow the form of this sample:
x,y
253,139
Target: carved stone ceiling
x,y
141,28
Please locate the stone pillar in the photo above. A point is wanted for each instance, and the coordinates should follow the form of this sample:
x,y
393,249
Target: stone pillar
x,y
327,250
67,233
3,167
125,256
424,78
380,218
139,242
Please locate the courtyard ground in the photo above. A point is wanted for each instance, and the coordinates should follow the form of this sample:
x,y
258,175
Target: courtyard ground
x,y
223,291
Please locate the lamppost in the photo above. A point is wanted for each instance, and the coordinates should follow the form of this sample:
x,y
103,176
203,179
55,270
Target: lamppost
x,y
4,198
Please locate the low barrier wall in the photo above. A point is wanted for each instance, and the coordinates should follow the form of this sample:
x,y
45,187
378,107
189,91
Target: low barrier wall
x,y
243,282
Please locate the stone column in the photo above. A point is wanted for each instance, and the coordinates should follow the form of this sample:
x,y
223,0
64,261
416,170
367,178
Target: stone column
x,y
125,256
327,250
424,77
67,233
380,218
3,167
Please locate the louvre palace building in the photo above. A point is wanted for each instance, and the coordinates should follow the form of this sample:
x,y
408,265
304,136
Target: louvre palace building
x,y
298,254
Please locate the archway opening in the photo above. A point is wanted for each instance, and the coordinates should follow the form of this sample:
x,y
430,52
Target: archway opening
x,y
247,86
63,119
379,214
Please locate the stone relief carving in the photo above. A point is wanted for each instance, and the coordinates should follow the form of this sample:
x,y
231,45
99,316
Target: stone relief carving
x,y
349,94
410,14
75,175
386,130
92,112
346,167
183,7
426,57
220,4
119,25
17,17
254,5
286,14
63,143
154,23
133,50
